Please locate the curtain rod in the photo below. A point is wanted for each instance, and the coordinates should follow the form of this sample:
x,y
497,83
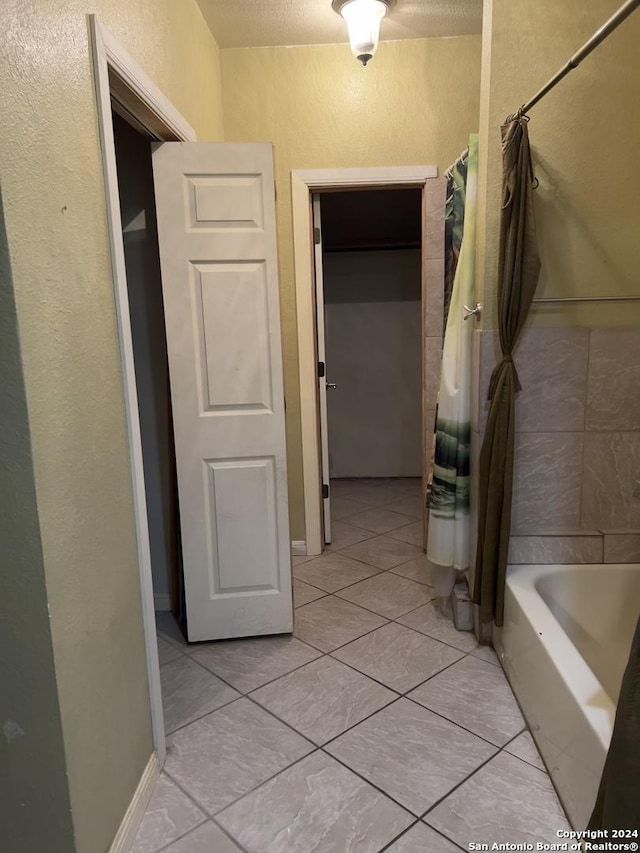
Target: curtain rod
x,y
554,300
447,174
596,39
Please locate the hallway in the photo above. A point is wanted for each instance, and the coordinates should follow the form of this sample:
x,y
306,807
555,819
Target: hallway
x,y
377,726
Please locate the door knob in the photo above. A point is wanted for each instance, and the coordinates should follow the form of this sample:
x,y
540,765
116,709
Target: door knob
x,y
331,385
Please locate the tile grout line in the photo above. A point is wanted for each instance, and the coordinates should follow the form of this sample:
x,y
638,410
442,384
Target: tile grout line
x,y
166,846
375,612
211,815
342,551
399,836
366,634
377,680
395,620
372,784
377,571
443,835
276,677
348,586
202,716
402,563
455,787
371,577
502,749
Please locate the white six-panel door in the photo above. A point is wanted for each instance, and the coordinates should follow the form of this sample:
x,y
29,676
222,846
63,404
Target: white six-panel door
x,y
216,231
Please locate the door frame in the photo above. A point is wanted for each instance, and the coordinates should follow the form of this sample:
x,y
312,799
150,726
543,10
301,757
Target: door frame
x,y
115,72
304,183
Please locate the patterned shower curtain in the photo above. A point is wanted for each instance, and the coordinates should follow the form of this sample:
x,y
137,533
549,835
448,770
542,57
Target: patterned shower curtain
x,y
453,227
448,540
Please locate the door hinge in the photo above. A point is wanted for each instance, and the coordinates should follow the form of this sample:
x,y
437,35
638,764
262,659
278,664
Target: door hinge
x,y
321,369
275,192
325,491
317,237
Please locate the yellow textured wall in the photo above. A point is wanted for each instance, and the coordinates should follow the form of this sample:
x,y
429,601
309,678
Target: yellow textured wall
x,y
53,195
416,103
584,137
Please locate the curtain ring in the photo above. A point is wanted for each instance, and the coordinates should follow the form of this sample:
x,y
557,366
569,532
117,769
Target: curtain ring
x,y
535,183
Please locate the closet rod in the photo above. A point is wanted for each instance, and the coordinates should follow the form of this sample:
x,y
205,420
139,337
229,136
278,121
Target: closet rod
x,y
596,39
555,300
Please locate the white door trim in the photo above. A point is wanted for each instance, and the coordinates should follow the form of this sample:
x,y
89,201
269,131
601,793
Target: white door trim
x,y
303,183
156,113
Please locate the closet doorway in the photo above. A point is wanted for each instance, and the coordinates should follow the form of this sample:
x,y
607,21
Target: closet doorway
x,y
368,282
305,184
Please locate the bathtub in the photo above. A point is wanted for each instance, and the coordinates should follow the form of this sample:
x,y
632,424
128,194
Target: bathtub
x,y
564,646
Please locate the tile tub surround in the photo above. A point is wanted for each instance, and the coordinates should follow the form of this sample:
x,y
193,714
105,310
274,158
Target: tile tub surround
x,y
621,546
577,442
585,547
613,399
355,745
548,481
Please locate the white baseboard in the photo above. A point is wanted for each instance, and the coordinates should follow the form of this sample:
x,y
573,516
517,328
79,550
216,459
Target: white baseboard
x,y
299,548
137,807
161,601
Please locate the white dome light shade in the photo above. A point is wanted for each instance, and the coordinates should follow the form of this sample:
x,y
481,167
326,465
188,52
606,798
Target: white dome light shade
x,y
363,22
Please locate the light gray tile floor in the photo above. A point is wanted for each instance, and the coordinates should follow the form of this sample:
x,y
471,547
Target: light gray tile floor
x,y
343,534
412,533
383,552
333,571
170,814
380,520
397,656
412,754
248,664
304,593
416,569
387,594
189,692
476,695
524,747
317,805
331,622
507,800
422,839
445,764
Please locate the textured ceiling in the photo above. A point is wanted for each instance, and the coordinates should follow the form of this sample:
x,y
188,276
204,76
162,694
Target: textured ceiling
x,y
264,23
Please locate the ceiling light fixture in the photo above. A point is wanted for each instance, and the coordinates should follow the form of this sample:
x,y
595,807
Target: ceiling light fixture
x,y
363,19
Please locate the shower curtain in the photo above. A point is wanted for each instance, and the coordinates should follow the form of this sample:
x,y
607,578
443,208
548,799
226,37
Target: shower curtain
x,y
618,801
518,271
448,539
453,228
